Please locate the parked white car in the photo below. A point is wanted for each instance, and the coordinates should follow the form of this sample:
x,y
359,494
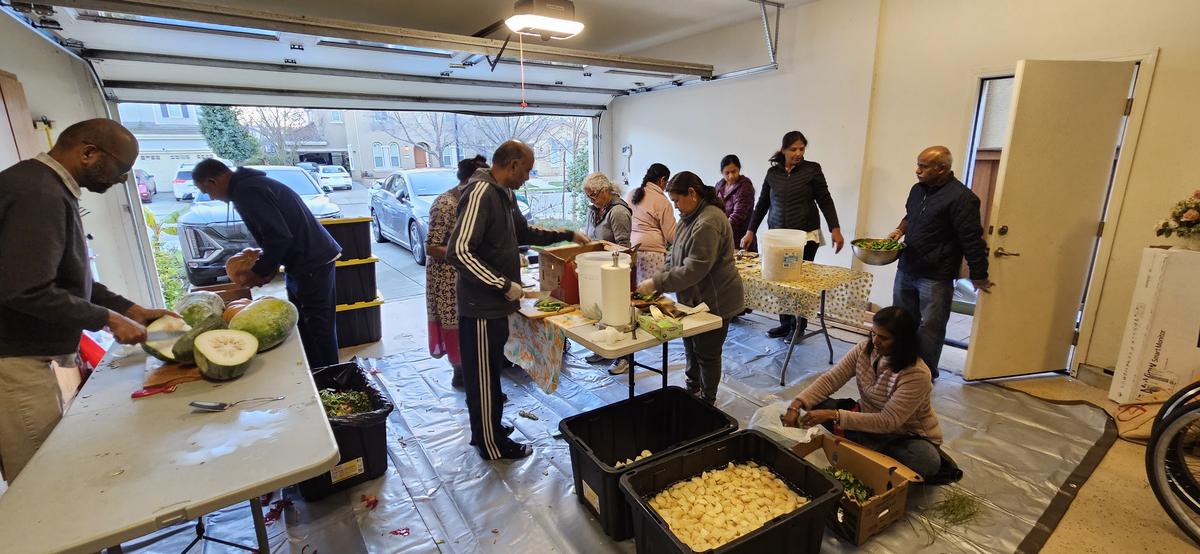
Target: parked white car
x,y
334,177
183,186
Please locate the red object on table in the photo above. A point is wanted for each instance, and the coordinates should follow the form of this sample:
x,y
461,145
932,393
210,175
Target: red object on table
x,y
149,391
569,284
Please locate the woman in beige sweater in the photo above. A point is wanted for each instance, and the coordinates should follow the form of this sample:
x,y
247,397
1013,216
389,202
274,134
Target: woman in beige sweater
x,y
653,227
893,414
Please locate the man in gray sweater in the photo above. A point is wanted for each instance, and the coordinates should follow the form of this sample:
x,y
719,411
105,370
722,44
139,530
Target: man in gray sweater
x,y
483,246
47,295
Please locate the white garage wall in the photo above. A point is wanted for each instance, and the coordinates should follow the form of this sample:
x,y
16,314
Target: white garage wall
x,y
923,59
823,89
61,88
929,54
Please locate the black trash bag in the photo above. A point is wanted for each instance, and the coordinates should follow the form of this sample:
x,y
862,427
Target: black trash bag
x,y
351,376
361,438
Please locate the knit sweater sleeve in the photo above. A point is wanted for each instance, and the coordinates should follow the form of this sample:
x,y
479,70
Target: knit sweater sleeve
x,y
832,380
912,389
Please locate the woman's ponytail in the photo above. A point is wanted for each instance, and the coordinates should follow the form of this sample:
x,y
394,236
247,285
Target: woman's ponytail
x,y
654,174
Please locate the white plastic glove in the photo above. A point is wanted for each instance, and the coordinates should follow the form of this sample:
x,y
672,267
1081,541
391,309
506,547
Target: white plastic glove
x,y
514,291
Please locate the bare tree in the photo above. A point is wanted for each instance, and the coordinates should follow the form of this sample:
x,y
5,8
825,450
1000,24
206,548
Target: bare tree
x,y
488,132
275,128
435,129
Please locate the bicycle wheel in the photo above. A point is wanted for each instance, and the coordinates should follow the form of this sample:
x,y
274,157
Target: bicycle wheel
x,y
1173,466
1181,397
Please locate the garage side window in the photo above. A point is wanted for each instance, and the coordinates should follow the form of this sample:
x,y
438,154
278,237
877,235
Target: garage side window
x,y
394,150
377,153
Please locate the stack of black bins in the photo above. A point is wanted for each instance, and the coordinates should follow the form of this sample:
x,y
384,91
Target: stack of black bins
x,y
664,422
359,319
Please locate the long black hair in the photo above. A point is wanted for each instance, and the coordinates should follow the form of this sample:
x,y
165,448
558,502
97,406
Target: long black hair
x,y
789,138
655,173
685,180
730,159
903,327
467,167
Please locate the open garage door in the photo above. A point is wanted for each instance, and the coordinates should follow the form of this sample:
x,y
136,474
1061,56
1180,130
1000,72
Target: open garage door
x,y
169,51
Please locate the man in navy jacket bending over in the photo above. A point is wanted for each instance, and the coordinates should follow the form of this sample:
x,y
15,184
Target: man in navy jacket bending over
x,y
290,236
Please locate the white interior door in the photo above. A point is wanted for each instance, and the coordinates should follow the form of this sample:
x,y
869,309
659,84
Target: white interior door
x,y
1050,192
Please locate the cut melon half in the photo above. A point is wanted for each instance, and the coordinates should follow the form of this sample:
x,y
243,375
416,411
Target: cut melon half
x,y
224,354
162,349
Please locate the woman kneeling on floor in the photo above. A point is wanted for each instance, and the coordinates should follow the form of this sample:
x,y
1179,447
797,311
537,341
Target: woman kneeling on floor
x,y
894,415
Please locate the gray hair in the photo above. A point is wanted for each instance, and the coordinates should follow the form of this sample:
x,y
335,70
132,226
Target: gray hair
x,y
598,181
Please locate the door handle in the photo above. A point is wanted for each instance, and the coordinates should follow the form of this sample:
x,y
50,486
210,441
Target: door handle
x,y
1001,252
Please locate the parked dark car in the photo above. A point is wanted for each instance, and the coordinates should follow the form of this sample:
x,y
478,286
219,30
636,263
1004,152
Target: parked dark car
x,y
400,206
211,231
146,185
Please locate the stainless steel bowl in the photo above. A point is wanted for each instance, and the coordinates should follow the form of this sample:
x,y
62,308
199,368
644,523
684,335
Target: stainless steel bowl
x,y
875,257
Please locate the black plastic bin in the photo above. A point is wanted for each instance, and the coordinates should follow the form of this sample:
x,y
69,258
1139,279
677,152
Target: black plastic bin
x,y
355,280
359,323
798,532
361,438
663,421
353,234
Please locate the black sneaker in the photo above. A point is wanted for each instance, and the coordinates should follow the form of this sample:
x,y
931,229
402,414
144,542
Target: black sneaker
x,y
457,380
595,359
779,332
514,451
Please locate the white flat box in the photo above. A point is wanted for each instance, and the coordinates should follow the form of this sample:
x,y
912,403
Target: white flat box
x,y
1160,350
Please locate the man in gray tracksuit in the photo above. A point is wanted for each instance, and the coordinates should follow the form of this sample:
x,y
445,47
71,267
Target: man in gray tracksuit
x,y
484,248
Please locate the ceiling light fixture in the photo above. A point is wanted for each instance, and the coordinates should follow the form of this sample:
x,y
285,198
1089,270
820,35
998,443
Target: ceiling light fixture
x,y
547,19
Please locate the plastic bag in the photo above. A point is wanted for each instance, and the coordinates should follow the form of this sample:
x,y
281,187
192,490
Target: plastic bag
x,y
351,376
766,419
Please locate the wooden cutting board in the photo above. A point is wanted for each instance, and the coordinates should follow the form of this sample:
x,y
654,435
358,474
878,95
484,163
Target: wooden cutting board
x,y
529,311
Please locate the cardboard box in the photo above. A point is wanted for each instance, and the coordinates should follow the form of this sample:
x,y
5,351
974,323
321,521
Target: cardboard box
x,y
556,267
228,291
1160,349
887,477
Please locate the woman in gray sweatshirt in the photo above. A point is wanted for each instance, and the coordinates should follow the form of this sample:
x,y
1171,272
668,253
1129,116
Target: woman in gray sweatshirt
x,y
701,270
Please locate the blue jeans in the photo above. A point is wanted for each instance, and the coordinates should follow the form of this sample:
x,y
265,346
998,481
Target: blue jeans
x,y
928,300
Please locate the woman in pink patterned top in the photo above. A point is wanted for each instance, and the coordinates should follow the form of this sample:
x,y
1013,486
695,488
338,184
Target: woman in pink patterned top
x,y
894,414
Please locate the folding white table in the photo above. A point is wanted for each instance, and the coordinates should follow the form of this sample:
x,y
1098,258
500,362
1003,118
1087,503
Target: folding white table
x,y
116,468
639,340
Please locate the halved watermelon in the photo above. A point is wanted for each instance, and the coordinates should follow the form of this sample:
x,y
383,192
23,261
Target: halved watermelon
x,y
162,349
224,354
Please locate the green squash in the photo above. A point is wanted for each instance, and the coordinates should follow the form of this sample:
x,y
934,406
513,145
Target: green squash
x,y
270,320
198,306
224,354
164,349
184,348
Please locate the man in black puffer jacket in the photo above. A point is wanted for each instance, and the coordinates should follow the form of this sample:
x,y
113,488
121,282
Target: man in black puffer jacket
x,y
291,236
483,246
942,225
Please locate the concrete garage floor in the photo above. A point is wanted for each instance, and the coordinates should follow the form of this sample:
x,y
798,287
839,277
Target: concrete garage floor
x,y
1115,511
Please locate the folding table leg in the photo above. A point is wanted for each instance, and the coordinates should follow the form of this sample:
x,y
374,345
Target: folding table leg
x,y
788,358
632,368
664,360
260,526
825,329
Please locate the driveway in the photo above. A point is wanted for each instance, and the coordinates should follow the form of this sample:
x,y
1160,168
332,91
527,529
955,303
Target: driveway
x,y
397,275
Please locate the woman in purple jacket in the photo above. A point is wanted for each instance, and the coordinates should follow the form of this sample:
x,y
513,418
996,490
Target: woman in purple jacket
x,y
737,192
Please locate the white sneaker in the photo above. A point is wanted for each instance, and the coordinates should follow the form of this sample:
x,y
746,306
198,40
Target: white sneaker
x,y
619,368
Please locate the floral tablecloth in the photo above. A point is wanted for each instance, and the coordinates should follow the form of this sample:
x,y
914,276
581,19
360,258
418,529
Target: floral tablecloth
x,y
846,294
537,345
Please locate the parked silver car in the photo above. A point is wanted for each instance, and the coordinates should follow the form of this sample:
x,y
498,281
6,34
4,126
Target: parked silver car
x,y
400,206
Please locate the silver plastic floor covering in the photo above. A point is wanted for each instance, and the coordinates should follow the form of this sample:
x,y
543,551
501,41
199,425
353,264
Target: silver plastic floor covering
x,y
1018,454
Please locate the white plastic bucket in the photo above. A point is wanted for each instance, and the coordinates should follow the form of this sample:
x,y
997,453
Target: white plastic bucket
x,y
782,253
587,266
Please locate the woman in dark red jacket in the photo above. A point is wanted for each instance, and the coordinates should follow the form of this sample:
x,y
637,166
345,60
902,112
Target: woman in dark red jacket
x,y
737,192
